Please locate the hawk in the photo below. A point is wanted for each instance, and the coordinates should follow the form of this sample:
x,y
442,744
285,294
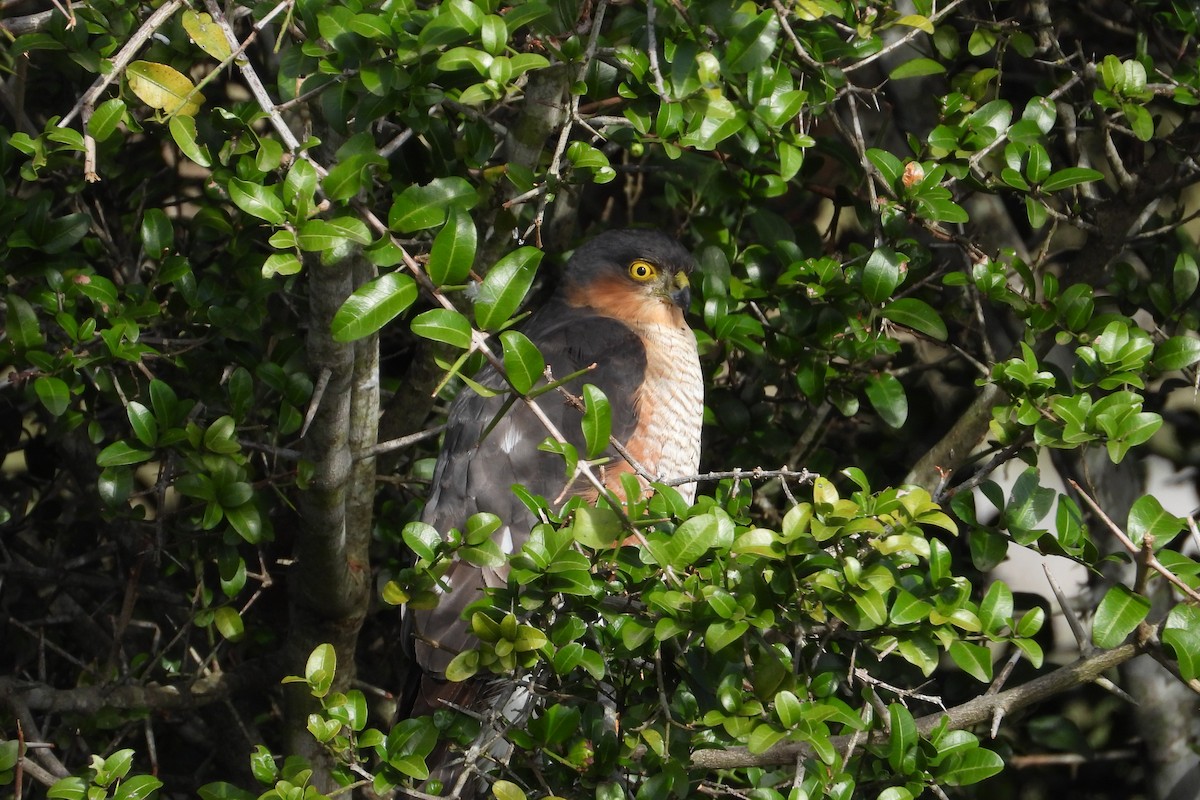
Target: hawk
x,y
618,310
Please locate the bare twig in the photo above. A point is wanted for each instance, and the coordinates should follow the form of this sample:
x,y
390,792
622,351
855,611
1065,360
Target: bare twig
x,y
1081,637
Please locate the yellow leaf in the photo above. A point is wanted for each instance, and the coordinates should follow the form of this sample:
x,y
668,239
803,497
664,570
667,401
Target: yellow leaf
x,y
163,88
917,21
207,35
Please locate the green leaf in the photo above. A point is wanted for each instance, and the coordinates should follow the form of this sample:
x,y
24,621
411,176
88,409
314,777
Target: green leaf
x,y
421,207
751,44
888,165
982,41
65,232
971,767
145,426
229,622
1178,352
453,250
973,659
1118,614
888,398
320,668
183,131
257,200
597,528
1182,634
137,787
918,315
158,235
789,709
881,275
320,234
1147,517
1071,176
597,420
523,363
903,737
443,325
464,58
105,118
21,323
71,788
422,538
941,210
1184,277
53,393
281,264
463,666
505,286
507,790
121,453
908,609
372,306
996,608
246,522
916,68
722,634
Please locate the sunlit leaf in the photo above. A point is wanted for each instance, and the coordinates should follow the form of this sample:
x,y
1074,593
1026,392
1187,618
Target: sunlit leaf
x,y
164,88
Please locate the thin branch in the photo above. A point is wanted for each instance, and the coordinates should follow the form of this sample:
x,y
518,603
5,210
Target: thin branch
x,y
660,87
251,77
902,41
1152,562
974,712
121,60
1073,621
401,443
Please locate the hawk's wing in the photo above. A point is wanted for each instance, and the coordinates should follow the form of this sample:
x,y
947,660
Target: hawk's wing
x,y
475,472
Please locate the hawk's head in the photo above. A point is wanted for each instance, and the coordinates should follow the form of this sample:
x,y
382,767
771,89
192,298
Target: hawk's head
x,y
633,275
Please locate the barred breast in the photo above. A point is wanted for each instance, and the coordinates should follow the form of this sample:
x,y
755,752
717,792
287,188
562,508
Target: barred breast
x,y
670,404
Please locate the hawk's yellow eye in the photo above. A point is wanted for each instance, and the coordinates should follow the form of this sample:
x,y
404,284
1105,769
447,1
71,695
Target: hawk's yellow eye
x,y
642,271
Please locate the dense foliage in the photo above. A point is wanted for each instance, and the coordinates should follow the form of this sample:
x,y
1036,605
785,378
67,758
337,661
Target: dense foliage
x,y
248,251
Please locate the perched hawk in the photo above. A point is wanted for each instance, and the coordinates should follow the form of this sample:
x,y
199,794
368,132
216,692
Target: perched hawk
x,y
619,306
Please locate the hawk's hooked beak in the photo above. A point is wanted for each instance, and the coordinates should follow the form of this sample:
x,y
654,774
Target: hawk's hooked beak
x,y
682,294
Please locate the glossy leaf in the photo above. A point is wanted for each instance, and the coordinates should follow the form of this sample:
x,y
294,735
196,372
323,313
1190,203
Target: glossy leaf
x,y
257,200
1071,176
888,398
973,659
597,420
105,119
505,286
372,306
421,207
319,234
53,393
1178,352
453,251
1147,517
443,325
1119,612
916,68
881,275
918,315
1182,634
